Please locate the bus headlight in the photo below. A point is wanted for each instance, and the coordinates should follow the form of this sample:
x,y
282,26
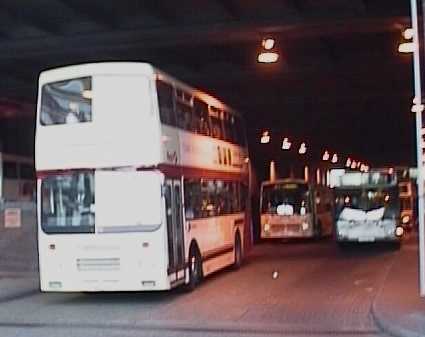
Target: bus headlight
x,y
399,231
55,285
266,227
405,219
304,226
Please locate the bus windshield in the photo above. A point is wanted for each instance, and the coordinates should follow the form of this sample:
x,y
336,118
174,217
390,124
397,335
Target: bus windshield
x,y
66,102
367,200
67,203
285,199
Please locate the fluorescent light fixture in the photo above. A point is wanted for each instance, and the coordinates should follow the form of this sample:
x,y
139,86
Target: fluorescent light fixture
x,y
408,33
417,108
268,57
268,44
265,138
286,144
348,163
302,149
407,47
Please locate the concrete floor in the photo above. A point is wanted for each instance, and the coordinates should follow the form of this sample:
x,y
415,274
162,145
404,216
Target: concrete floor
x,y
320,291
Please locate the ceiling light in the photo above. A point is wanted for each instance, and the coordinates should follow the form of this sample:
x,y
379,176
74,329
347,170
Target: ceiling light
x,y
417,108
348,163
325,156
302,149
407,47
265,138
268,57
286,144
408,33
268,44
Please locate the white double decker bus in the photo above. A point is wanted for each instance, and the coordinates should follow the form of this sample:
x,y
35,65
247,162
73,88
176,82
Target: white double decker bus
x,y
142,181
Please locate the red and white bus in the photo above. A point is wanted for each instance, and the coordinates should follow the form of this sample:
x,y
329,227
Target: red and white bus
x,y
142,181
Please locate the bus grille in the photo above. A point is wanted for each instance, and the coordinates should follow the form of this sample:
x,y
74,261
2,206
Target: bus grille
x,y
98,264
286,227
293,228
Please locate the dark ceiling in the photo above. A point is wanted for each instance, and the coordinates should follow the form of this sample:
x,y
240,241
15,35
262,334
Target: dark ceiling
x,y
339,84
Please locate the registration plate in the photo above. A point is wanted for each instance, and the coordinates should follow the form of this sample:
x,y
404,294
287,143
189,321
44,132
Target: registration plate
x,y
366,239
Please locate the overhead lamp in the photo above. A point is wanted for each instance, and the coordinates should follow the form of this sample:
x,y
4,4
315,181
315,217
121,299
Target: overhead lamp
x,y
408,33
334,158
286,144
407,47
417,108
265,138
268,43
326,156
268,57
302,149
348,162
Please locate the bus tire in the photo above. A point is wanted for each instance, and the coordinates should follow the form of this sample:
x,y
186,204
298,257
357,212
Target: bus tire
x,y
195,267
238,251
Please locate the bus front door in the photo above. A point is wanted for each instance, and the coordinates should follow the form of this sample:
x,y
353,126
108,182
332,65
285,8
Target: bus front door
x,y
174,211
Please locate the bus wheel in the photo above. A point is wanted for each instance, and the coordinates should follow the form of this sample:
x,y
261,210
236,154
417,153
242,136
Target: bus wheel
x,y
238,251
195,268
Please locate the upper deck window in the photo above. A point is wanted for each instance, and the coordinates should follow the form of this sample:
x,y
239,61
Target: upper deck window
x,y
66,102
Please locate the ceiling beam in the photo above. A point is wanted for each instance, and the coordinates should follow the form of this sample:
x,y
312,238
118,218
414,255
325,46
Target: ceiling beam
x,y
161,11
92,11
28,18
231,8
202,34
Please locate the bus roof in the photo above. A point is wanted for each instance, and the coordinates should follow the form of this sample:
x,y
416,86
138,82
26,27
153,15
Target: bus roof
x,y
126,68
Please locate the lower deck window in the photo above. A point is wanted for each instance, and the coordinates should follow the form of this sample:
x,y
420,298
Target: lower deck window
x,y
67,204
208,198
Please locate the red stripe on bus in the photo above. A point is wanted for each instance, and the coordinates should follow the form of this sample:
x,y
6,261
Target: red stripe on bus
x,y
194,172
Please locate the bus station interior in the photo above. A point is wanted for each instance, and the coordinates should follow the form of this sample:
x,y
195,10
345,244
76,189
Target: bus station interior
x,y
339,86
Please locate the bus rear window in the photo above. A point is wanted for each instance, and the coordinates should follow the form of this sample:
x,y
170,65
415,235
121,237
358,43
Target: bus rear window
x,y
67,204
66,102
